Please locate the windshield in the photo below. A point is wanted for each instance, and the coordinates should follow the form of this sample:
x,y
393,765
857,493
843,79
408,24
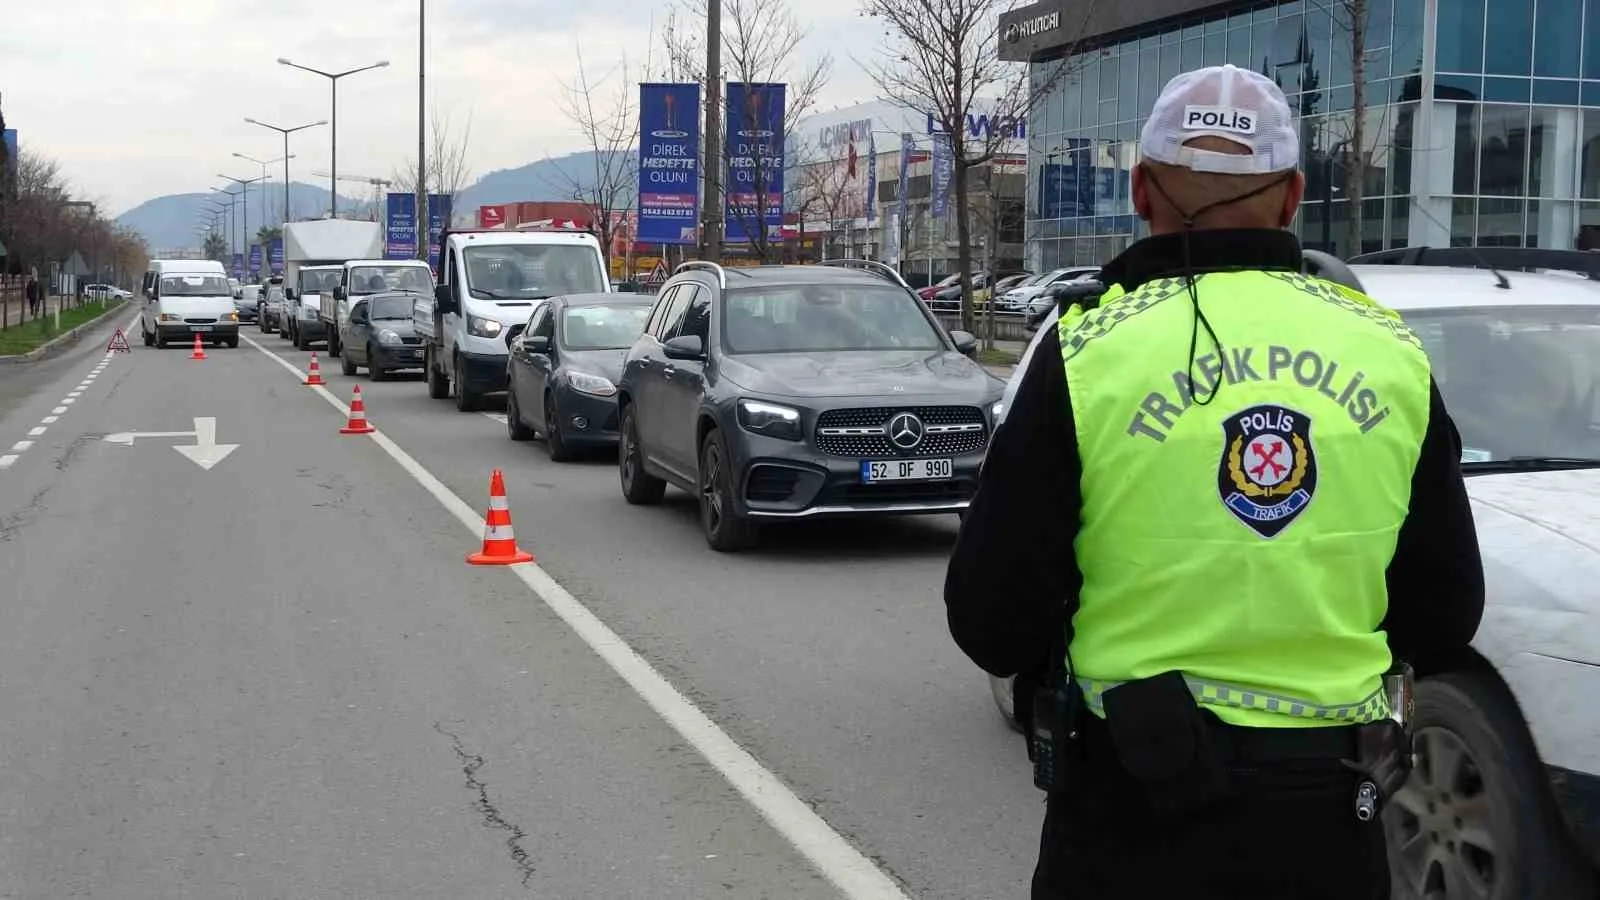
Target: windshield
x,y
530,271
195,286
390,307
1518,381
603,327
825,318
377,279
319,282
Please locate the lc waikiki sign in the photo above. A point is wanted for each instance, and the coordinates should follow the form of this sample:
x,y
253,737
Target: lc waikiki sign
x,y
983,127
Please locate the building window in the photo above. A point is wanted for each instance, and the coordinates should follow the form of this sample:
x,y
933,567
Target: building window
x,y
1504,152
1558,38
1511,51
1460,31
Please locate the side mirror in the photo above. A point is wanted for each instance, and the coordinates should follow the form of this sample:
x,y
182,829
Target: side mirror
x,y
443,299
536,343
685,346
338,292
966,343
513,333
288,293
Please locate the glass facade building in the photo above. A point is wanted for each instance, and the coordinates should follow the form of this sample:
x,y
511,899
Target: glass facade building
x,y
1481,122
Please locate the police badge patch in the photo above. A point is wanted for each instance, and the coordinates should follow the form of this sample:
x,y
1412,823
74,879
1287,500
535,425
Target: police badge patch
x,y
1268,472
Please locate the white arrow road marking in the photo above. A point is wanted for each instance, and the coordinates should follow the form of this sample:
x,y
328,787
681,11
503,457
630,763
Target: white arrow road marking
x,y
206,452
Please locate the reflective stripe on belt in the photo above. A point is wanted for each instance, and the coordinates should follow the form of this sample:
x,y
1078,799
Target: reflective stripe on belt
x,y
1217,693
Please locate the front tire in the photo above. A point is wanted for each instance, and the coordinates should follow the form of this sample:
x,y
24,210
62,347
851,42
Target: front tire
x,y
233,343
1475,818
516,429
466,401
347,366
375,370
300,342
554,443
638,486
726,530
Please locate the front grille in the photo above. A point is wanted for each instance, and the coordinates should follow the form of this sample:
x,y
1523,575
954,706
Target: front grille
x,y
199,321
860,432
771,484
410,339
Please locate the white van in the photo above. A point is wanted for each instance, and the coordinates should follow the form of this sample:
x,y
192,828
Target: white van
x,y
491,281
184,298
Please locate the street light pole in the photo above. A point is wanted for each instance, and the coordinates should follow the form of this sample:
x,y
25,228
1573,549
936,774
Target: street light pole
x,y
266,221
286,157
333,161
232,223
711,210
418,229
244,185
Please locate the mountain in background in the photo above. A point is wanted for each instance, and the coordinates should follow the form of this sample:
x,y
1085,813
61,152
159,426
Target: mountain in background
x,y
169,222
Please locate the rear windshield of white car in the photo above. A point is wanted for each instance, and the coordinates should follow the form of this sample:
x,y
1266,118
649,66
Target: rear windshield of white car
x,y
1518,380
603,327
377,279
531,271
195,286
825,318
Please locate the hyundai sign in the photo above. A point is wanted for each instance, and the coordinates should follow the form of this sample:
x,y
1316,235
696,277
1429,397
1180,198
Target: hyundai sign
x,y
669,163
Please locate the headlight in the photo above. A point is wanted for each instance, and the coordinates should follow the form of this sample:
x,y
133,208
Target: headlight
x,y
998,411
233,317
477,326
169,317
770,419
584,383
388,337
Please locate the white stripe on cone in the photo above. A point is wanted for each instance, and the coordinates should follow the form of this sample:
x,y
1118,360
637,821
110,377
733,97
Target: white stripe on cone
x,y
497,533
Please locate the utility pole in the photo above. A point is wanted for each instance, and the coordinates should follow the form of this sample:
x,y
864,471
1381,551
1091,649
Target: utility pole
x,y
711,209
422,222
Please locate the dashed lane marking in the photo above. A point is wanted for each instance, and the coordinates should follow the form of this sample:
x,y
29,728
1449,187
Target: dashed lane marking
x,y
856,876
20,447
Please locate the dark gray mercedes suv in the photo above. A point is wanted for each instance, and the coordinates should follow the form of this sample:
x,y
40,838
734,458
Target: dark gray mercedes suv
x,y
786,392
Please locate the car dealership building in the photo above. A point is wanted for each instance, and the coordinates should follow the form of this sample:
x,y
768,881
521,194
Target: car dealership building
x,y
1482,117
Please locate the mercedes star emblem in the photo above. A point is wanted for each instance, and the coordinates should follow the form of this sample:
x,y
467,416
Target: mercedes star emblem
x,y
905,431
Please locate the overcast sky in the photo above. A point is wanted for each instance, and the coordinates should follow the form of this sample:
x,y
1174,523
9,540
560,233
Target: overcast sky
x,y
140,98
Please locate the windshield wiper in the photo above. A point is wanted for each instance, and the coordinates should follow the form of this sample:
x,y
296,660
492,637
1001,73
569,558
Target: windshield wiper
x,y
1532,464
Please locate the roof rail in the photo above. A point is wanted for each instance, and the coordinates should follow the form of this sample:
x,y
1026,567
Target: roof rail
x,y
706,265
871,265
1583,262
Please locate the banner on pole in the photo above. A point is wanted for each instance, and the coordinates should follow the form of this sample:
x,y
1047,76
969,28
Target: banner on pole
x,y
255,258
669,163
275,258
238,266
754,154
944,172
400,227
438,218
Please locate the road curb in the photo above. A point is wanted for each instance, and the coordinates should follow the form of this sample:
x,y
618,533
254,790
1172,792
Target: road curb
x,y
63,341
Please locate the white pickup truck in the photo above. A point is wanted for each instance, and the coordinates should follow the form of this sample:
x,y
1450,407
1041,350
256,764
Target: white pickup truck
x,y
361,277
490,281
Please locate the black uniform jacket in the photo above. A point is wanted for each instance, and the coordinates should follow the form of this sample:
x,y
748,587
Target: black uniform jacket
x,y
1013,579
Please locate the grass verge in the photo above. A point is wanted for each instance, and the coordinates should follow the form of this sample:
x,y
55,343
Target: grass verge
x,y
28,336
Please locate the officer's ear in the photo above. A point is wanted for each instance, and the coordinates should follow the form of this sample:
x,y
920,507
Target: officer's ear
x,y
1141,192
1291,198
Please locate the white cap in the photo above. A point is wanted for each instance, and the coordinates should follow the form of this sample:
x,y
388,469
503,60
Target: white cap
x,y
1234,104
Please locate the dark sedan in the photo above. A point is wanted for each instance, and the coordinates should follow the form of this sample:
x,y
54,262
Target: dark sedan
x,y
563,370
784,392
379,335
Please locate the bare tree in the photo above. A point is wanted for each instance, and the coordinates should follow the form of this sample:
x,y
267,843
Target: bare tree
x,y
1351,17
825,189
943,57
448,169
607,116
761,43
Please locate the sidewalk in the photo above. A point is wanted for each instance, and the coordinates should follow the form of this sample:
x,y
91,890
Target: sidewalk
x,y
13,310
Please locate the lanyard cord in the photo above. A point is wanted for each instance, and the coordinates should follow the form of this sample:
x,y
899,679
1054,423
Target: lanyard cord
x,y
1190,278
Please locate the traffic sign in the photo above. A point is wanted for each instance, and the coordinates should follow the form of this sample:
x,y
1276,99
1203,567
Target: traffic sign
x,y
658,275
119,343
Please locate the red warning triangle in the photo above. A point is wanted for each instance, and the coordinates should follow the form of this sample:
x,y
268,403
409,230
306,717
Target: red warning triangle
x,y
119,343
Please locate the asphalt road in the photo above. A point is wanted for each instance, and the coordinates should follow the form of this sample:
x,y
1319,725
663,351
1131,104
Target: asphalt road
x,y
279,678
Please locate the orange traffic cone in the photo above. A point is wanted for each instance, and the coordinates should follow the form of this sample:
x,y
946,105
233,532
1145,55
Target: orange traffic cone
x,y
315,375
199,350
499,545
358,423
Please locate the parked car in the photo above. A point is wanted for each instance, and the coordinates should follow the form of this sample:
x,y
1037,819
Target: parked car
x,y
563,370
106,292
928,293
1504,802
378,333
269,310
777,393
1032,295
247,301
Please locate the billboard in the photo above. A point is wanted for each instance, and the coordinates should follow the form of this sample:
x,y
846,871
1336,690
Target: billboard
x,y
438,218
255,258
238,267
492,216
400,227
669,163
754,153
944,172
275,258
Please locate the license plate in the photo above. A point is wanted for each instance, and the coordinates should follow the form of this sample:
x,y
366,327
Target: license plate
x,y
200,328
906,470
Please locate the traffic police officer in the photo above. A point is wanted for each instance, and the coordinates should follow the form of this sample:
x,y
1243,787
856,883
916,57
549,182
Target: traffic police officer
x,y
1224,502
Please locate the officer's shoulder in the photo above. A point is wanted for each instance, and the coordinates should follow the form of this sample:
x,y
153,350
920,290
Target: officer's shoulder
x,y
1359,305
